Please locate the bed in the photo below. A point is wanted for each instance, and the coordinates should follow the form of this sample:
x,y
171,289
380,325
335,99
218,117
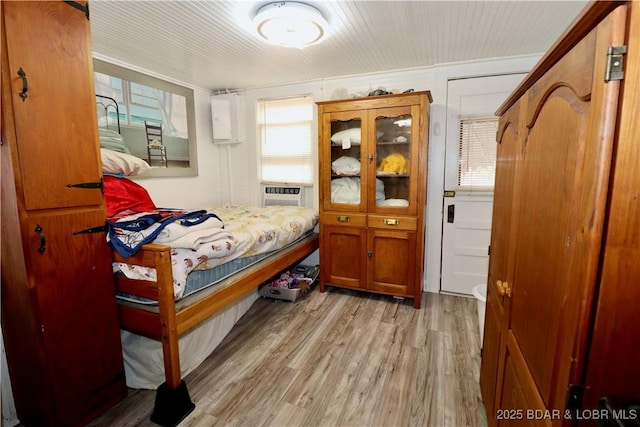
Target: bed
x,y
186,299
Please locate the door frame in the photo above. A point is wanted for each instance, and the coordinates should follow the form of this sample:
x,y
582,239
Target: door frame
x,y
494,89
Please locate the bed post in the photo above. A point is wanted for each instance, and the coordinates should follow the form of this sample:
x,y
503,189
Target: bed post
x,y
172,403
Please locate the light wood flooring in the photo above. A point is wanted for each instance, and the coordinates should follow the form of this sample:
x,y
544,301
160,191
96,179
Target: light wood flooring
x,y
337,358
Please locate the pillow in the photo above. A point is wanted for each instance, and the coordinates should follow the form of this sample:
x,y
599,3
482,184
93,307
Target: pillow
x,y
114,162
114,145
352,135
124,195
110,133
346,165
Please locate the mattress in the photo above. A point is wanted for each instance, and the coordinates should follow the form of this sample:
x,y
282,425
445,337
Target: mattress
x,y
256,231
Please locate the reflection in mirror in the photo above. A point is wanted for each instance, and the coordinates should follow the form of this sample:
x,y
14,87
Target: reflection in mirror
x,y
126,100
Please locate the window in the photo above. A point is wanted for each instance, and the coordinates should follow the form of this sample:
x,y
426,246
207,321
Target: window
x,y
477,153
141,98
284,133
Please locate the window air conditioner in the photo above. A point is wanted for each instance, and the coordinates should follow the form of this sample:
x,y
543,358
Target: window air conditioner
x,y
279,195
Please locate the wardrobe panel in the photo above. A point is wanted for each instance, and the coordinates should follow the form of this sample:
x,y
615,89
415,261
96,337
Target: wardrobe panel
x,y
54,115
548,199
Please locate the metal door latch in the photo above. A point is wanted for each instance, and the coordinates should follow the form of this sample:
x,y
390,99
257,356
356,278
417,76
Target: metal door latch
x,y
615,63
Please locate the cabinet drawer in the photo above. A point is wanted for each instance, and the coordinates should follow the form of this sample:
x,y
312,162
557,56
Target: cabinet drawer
x,y
392,222
349,219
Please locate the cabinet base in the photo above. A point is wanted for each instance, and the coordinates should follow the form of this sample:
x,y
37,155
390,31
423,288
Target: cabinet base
x,y
416,300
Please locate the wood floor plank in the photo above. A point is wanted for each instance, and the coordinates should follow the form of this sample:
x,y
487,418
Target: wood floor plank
x,y
338,358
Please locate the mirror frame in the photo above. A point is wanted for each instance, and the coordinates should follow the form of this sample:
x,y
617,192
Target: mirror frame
x,y
135,76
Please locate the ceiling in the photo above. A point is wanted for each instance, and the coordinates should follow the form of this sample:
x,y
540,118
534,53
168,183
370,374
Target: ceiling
x,y
210,43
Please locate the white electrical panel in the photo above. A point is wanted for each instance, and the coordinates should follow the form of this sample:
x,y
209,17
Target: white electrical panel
x,y
227,118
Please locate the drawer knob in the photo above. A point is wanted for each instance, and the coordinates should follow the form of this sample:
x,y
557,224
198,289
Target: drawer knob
x,y
391,221
343,218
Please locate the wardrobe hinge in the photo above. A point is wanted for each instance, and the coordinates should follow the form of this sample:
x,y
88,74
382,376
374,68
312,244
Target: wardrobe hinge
x,y
615,63
81,7
99,229
574,397
89,185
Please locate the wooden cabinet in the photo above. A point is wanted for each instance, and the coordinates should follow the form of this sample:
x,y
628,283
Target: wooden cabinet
x,y
373,180
59,317
561,286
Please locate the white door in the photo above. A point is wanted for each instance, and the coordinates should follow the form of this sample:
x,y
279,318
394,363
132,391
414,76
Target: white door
x,y
469,171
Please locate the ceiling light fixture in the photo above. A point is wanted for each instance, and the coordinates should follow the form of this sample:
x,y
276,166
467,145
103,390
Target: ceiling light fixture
x,y
290,24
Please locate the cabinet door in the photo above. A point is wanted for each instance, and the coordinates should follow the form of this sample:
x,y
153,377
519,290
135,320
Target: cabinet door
x,y
343,256
508,157
391,262
394,160
342,161
73,283
55,119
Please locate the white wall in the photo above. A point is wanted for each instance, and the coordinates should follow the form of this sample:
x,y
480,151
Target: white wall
x,y
188,192
230,172
206,188
243,160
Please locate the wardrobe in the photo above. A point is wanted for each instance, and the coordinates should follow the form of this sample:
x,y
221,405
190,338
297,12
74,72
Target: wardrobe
x,y
563,306
373,181
59,317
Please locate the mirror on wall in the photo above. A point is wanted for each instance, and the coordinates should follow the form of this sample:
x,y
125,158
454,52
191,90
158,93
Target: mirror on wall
x,y
129,104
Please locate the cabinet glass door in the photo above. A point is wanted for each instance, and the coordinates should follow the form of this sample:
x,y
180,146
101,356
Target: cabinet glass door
x,y
394,169
347,186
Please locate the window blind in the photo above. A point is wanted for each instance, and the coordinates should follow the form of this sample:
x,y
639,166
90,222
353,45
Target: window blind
x,y
477,153
285,133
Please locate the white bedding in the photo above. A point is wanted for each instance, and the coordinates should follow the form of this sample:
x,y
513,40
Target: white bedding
x,y
248,230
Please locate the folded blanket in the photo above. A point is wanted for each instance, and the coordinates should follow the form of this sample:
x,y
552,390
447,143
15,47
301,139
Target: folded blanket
x,y
129,233
184,234
197,238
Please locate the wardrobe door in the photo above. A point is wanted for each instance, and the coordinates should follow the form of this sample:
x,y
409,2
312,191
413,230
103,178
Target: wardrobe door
x,y
501,257
562,199
520,405
55,117
71,277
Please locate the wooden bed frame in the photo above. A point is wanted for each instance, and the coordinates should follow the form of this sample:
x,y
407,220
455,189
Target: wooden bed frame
x,y
169,320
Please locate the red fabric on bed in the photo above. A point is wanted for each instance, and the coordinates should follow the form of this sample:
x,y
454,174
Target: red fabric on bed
x,y
122,194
